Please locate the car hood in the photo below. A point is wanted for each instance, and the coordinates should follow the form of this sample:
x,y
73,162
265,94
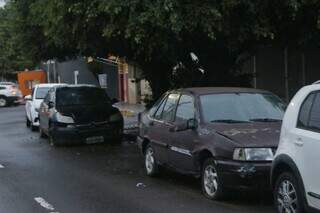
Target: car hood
x,y
256,134
84,114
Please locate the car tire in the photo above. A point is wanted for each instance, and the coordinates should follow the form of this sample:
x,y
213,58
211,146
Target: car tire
x,y
287,190
211,183
151,165
117,140
28,123
33,128
52,141
42,135
3,101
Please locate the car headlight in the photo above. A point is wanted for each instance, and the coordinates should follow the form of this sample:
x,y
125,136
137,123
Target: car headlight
x,y
64,119
253,154
115,117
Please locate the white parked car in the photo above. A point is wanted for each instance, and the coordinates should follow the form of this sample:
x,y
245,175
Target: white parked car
x,y
9,94
33,103
296,168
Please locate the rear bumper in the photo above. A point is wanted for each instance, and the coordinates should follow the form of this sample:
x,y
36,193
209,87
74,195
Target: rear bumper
x,y
246,175
73,135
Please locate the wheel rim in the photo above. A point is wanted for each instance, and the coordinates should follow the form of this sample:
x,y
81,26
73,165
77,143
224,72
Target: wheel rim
x,y
210,180
3,102
149,160
287,199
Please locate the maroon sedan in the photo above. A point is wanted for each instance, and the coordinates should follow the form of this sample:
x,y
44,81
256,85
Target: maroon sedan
x,y
226,136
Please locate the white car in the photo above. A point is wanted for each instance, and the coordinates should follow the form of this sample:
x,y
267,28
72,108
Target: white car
x,y
33,103
9,94
295,175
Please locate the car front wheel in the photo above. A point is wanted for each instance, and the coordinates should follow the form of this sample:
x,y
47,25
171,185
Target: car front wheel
x,y
211,184
287,194
3,102
28,123
151,166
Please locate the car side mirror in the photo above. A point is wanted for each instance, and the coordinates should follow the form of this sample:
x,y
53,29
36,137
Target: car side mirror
x,y
28,98
50,104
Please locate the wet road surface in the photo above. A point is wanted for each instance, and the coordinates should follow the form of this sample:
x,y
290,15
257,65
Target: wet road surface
x,y
36,177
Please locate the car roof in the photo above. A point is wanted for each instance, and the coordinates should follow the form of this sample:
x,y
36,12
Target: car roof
x,y
48,85
77,85
216,90
7,83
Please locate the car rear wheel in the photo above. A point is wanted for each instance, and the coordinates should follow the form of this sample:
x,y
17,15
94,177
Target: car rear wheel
x,y
42,135
287,194
33,128
3,102
151,166
211,184
28,123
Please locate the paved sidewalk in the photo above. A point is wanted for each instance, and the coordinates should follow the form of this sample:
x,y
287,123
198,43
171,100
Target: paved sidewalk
x,y
130,114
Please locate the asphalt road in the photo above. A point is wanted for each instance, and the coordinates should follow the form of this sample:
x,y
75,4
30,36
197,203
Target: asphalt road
x,y
35,177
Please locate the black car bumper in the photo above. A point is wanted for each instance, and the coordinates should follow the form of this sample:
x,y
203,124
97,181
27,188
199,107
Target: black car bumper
x,y
13,99
74,135
253,175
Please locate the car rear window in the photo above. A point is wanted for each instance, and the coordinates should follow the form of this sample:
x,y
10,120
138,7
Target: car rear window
x,y
67,96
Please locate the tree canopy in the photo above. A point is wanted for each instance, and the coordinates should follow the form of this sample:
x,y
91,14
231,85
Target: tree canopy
x,y
158,34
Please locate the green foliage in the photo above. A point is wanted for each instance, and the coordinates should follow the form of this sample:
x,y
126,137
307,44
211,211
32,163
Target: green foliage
x,y
161,33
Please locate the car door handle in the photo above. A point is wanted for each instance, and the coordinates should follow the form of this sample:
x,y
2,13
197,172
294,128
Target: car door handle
x,y
299,142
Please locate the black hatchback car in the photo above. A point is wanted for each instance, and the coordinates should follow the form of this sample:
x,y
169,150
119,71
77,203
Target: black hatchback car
x,y
226,136
79,114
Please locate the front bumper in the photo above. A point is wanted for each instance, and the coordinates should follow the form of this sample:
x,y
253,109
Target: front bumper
x,y
79,135
252,175
13,99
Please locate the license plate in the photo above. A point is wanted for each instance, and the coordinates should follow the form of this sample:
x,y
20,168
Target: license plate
x,y
96,139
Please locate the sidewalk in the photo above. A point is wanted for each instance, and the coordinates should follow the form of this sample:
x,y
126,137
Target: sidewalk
x,y
130,114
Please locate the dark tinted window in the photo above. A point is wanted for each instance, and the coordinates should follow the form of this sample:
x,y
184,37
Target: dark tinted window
x,y
314,121
42,92
169,108
67,96
305,112
2,88
185,109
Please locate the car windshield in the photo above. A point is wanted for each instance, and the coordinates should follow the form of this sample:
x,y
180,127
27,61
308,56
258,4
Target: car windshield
x,y
81,96
42,92
241,107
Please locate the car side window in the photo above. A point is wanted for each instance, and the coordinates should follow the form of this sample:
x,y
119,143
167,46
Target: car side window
x,y
170,107
304,114
158,113
2,88
185,109
314,117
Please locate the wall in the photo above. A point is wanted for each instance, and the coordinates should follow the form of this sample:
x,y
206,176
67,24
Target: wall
x,y
270,64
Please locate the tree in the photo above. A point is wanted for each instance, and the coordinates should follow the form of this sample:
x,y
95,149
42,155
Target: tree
x,y
160,34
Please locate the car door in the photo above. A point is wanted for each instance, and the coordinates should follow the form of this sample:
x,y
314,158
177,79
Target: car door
x,y
307,141
182,142
160,125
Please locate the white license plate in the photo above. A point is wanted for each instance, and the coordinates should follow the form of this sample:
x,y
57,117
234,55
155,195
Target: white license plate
x,y
96,139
